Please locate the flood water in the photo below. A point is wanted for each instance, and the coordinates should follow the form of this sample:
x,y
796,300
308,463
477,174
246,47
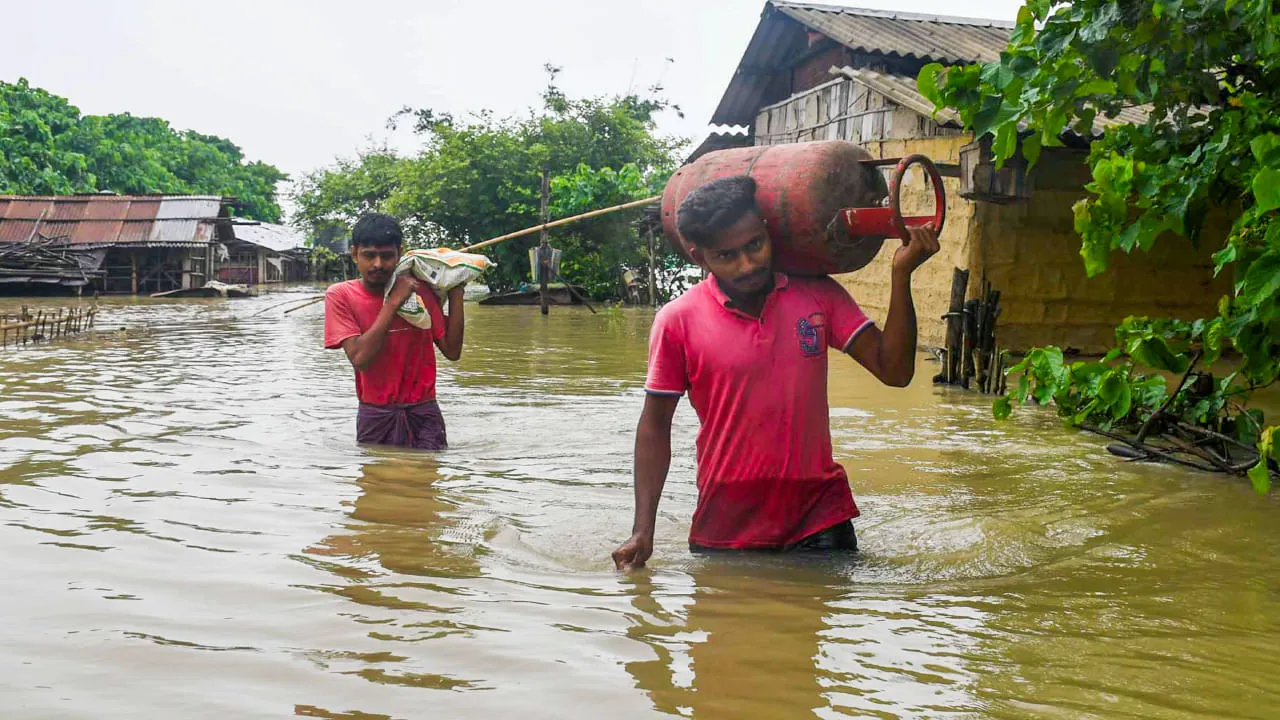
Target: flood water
x,y
190,531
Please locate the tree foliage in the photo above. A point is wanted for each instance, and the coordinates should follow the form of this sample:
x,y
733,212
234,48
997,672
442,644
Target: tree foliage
x,y
479,177
48,148
595,249
1207,75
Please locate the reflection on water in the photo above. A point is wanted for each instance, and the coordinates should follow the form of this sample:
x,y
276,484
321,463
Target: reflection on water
x,y
191,532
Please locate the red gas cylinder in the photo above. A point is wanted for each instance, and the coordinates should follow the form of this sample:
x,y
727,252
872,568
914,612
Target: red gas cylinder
x,y
823,202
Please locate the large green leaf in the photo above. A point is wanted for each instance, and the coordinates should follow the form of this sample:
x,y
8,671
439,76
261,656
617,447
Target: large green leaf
x,y
1154,352
1266,149
1224,257
1031,149
995,114
1266,189
1097,86
1101,24
1115,392
1006,143
1213,340
1002,408
1262,280
1259,474
927,83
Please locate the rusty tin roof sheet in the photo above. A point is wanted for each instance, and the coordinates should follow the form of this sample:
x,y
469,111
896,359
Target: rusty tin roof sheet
x,y
111,219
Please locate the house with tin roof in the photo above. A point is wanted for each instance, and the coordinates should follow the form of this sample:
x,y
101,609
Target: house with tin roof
x,y
139,244
814,72
135,244
262,253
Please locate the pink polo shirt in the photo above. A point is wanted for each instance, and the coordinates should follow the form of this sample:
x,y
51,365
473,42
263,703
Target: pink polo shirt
x,y
766,475
404,370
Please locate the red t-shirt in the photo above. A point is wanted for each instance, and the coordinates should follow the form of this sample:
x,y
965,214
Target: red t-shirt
x,y
766,475
404,371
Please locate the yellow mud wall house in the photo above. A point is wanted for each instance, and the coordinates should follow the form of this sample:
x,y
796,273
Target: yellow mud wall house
x,y
822,72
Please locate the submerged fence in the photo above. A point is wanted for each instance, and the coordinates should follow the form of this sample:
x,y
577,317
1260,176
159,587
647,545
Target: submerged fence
x,y
44,325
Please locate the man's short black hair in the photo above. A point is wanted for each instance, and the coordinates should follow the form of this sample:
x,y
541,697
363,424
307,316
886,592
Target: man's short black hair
x,y
715,207
376,230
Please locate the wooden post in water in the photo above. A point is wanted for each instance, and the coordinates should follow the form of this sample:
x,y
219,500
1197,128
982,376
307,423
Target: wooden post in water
x,y
653,273
544,250
955,326
970,343
133,260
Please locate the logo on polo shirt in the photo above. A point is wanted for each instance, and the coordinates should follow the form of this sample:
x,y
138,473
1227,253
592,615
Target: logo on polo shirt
x,y
808,330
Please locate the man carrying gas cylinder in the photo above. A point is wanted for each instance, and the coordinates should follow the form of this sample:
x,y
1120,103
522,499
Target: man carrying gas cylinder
x,y
749,346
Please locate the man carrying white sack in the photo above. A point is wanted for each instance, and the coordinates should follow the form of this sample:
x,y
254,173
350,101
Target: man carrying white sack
x,y
394,361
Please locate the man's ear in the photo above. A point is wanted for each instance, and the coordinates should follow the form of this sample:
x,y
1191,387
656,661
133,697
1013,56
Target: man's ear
x,y
699,257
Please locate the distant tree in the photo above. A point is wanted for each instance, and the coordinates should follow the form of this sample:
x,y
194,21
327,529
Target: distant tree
x,y
479,177
47,147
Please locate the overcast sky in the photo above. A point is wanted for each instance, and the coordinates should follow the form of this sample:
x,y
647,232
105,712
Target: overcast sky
x,y
297,83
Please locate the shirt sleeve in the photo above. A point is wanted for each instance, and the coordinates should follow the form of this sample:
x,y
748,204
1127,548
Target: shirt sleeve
x,y
436,312
845,320
668,370
339,321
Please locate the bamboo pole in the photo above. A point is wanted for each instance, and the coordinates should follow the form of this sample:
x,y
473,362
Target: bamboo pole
x,y
544,248
562,221
653,284
518,233
308,303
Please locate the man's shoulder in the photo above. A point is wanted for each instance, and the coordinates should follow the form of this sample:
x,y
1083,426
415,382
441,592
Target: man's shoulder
x,y
346,290
689,302
813,282
822,287
341,288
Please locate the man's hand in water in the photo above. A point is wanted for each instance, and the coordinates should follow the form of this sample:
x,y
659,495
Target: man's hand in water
x,y
632,553
404,288
919,245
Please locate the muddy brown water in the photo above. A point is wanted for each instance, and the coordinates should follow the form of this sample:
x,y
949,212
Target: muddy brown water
x,y
189,531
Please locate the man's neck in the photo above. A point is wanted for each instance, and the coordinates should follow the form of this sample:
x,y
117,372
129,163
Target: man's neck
x,y
752,304
374,289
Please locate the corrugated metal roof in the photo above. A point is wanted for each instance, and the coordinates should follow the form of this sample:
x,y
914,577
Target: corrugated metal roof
x,y
719,141
763,75
932,38
111,219
902,90
279,238
1127,116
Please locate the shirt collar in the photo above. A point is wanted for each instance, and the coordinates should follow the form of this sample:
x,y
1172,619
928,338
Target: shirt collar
x,y
779,283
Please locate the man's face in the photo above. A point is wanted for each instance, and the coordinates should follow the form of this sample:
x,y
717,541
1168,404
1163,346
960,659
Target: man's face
x,y
376,263
742,257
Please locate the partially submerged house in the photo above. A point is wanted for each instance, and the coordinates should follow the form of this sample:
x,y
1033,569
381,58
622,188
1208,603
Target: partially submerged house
x,y
261,253
121,243
139,244
820,72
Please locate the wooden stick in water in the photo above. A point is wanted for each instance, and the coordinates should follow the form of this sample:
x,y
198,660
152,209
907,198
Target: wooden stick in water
x,y
308,303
